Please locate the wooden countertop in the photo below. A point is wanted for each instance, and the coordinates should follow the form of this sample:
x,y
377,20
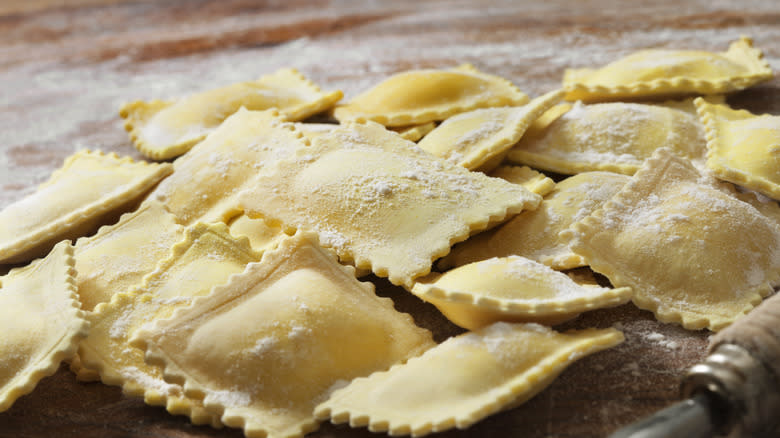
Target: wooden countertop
x,y
66,66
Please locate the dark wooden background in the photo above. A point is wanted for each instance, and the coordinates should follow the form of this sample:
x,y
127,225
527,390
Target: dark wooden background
x,y
66,66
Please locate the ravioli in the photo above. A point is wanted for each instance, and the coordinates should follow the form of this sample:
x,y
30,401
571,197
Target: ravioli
x,y
205,258
381,202
307,325
76,199
206,180
120,255
248,322
162,130
470,139
535,234
657,72
693,254
743,148
40,322
614,137
463,380
421,96
512,289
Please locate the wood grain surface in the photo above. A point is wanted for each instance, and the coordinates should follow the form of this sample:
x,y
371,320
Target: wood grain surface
x,y
66,66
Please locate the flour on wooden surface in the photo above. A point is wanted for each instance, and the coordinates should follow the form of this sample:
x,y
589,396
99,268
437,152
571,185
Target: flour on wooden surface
x,y
55,109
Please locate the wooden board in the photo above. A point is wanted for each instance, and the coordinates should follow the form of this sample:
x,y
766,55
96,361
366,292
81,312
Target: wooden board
x,y
65,67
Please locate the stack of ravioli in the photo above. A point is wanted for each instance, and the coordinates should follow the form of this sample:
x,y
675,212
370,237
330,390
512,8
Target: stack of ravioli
x,y
224,285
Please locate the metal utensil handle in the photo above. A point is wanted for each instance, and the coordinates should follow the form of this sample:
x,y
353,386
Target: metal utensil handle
x,y
743,372
758,333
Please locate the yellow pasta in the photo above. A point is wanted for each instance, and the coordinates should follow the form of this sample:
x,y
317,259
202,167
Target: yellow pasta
x,y
163,130
513,289
40,322
421,96
658,72
463,380
307,325
378,202
743,148
726,253
74,201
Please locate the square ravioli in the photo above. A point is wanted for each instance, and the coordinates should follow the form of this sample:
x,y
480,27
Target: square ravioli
x,y
512,289
742,148
120,255
614,136
40,322
306,326
73,202
473,138
205,181
381,201
205,258
693,254
659,72
421,96
464,379
535,234
162,130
